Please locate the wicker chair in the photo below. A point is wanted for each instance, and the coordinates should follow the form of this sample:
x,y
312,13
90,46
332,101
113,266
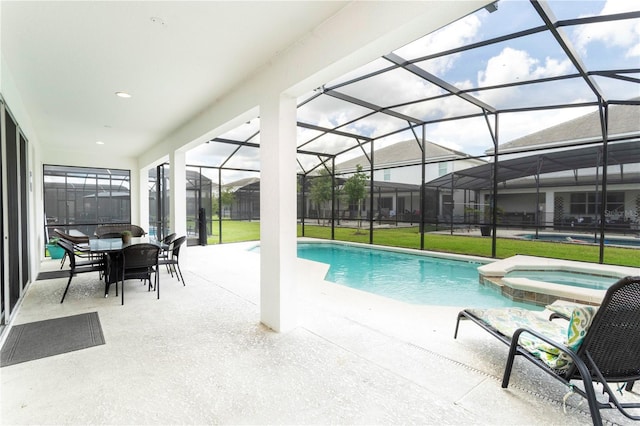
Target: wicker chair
x,y
108,235
80,244
172,259
94,265
608,353
139,261
113,228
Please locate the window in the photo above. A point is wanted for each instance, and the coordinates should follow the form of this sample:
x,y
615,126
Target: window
x,y
443,169
615,205
82,198
586,203
387,175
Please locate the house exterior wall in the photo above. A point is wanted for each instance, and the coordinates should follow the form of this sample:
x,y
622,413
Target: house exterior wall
x,y
413,174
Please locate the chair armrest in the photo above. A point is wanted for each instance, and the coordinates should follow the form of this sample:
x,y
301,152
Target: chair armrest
x,y
515,341
515,348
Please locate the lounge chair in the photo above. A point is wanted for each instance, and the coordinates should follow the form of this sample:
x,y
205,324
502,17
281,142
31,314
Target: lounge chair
x,y
600,344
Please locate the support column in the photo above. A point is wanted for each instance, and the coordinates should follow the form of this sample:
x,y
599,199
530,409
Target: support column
x,y
278,213
143,200
178,192
549,208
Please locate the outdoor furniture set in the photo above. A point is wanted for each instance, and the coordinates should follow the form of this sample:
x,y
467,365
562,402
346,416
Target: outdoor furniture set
x,y
118,260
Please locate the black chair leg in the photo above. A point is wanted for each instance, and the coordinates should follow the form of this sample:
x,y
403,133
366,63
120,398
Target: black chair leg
x,y
66,288
180,271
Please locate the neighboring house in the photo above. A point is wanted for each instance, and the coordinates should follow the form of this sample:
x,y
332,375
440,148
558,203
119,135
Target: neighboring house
x,y
246,199
556,183
397,177
401,162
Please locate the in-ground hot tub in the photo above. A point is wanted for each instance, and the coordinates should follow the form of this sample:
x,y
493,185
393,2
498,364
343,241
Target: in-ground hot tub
x,y
542,281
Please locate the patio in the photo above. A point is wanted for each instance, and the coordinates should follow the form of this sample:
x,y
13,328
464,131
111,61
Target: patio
x,y
199,355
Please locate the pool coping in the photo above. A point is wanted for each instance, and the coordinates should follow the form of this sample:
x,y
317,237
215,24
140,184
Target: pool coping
x,y
441,255
543,293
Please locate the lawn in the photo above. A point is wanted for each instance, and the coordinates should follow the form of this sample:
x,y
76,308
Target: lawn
x,y
234,231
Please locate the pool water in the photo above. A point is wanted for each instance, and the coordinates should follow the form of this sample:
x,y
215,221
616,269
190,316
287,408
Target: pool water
x,y
411,278
575,279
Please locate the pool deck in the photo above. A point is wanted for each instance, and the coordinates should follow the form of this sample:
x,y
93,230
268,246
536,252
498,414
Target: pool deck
x,y
199,355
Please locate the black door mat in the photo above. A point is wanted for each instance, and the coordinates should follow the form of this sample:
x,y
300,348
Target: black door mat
x,y
50,275
40,339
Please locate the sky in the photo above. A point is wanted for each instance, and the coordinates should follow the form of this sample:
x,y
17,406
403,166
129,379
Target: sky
x,y
602,46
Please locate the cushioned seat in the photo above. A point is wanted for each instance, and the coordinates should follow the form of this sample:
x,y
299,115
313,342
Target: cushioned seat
x,y
507,320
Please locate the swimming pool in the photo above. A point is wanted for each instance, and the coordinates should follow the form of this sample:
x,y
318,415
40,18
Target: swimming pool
x,y
575,279
412,278
582,239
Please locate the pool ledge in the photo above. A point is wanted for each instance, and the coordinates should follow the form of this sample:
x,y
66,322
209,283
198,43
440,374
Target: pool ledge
x,y
541,292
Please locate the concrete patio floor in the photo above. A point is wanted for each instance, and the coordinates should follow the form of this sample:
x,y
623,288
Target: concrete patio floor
x,y
199,355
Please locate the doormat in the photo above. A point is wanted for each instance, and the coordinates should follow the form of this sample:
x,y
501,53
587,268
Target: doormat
x,y
50,275
40,339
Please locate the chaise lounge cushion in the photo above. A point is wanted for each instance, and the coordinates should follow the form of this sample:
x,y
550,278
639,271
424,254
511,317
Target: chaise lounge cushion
x,y
563,308
571,334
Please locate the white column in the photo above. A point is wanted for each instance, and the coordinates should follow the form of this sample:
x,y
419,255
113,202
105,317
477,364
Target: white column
x,y
549,206
278,213
143,200
178,192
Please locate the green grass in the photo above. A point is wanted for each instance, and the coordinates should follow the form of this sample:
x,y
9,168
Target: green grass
x,y
234,231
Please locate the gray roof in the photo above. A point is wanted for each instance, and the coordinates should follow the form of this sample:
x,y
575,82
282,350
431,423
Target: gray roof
x,y
402,153
240,183
623,120
546,162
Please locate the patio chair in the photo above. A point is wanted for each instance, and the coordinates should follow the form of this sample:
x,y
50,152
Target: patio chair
x,y
561,309
169,238
139,261
172,260
92,265
166,246
79,243
110,235
600,344
136,231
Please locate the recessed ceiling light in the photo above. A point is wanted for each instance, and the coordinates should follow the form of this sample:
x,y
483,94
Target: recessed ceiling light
x,y
123,94
99,143
158,20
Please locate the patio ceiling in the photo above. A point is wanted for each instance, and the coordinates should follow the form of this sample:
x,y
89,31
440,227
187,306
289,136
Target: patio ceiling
x,y
67,59
534,64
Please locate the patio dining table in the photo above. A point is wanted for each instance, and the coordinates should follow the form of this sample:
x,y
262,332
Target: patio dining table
x,y
110,249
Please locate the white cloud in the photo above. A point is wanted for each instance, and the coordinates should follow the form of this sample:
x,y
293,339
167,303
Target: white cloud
x,y
624,34
454,35
512,65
